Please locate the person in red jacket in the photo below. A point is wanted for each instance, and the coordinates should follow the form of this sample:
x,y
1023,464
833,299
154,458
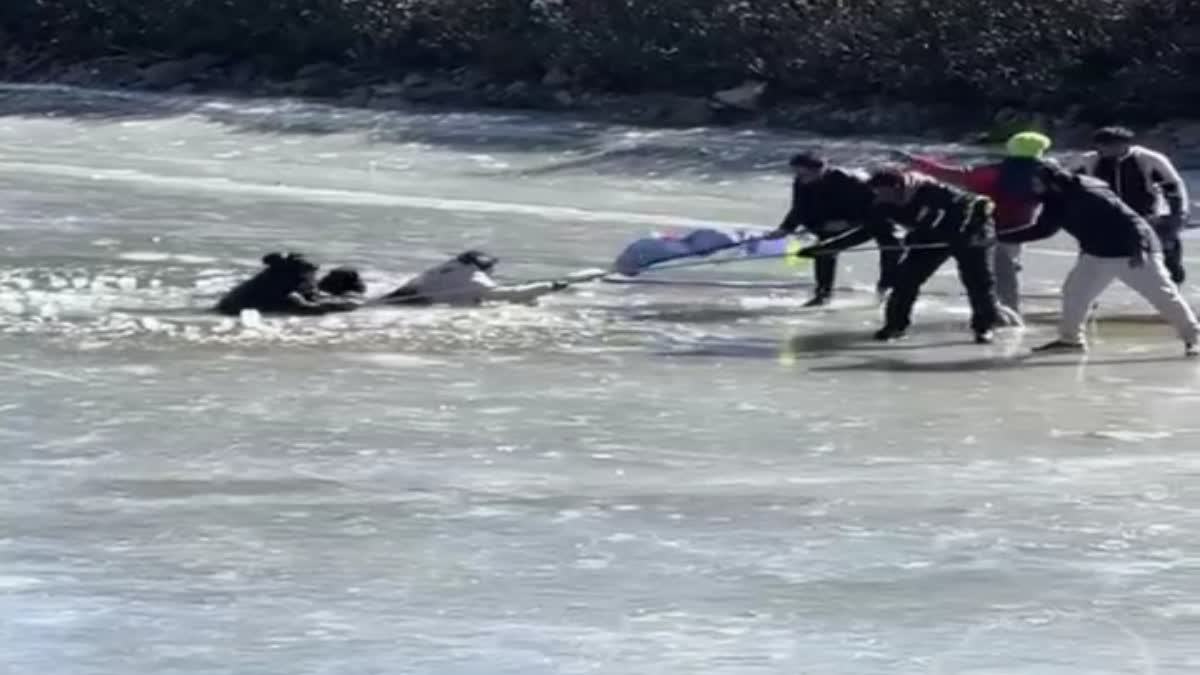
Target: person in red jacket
x,y
1009,184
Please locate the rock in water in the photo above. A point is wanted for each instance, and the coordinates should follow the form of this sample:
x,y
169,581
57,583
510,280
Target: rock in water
x,y
556,77
414,80
166,74
320,79
746,96
170,74
687,112
243,74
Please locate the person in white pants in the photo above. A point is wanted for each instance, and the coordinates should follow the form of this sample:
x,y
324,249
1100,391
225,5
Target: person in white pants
x,y
1147,275
1115,243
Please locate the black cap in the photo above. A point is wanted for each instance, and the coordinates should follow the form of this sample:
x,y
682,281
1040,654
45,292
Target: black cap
x,y
342,280
807,161
300,261
478,259
887,178
1113,135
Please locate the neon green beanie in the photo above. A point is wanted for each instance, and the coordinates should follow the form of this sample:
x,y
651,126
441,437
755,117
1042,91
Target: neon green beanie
x,y
1028,144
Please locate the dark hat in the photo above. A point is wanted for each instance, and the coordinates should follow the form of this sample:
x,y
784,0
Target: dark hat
x,y
477,259
342,280
807,160
300,261
1113,135
887,178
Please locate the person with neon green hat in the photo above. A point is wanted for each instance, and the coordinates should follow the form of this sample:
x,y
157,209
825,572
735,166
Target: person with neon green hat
x,y
1009,184
1027,145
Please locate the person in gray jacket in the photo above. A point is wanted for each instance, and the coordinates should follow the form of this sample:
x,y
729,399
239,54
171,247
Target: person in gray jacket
x,y
1148,182
466,280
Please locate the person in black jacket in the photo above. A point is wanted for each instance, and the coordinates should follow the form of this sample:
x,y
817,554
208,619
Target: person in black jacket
x,y
943,222
833,203
286,285
1114,243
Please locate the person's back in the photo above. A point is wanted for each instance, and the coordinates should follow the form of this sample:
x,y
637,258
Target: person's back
x,y
286,286
272,288
836,205
1103,223
465,280
455,281
938,211
836,201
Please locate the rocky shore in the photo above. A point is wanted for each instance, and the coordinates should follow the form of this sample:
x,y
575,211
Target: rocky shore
x,y
753,103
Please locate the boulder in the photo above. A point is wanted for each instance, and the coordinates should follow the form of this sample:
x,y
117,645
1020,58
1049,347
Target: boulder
x,y
517,89
359,97
436,91
243,74
471,78
320,79
556,77
414,80
388,102
111,71
685,111
168,74
521,95
746,96
389,89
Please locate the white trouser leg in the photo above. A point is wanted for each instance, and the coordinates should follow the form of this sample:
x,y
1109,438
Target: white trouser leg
x,y
1153,282
1008,281
1085,283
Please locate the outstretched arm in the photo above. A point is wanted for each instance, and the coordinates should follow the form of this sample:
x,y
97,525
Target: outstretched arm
x,y
979,179
523,293
298,304
794,217
1049,222
848,239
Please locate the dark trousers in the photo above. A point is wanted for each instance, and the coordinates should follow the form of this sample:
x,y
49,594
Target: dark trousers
x,y
825,269
975,270
1172,251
